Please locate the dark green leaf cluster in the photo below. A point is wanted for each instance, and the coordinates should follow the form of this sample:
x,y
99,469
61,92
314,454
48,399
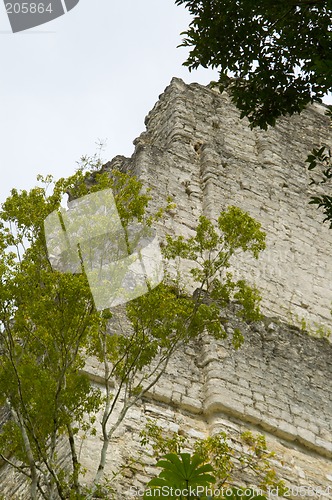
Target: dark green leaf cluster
x,y
321,160
180,473
274,57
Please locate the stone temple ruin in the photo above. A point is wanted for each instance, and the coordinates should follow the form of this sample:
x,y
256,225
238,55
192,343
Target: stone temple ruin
x,y
197,150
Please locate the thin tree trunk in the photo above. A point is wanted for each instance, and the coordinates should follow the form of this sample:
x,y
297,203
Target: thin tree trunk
x,y
33,470
76,465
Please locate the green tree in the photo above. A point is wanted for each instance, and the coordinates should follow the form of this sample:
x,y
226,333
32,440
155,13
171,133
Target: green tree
x,y
49,326
274,57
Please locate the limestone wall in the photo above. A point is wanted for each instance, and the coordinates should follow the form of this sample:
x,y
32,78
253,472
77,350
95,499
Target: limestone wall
x,y
196,149
280,381
278,384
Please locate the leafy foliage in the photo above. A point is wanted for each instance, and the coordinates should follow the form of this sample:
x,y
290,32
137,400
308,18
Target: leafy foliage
x,y
212,249
181,473
49,326
274,57
320,161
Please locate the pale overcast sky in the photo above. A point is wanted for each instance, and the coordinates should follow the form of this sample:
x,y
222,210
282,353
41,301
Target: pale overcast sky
x,y
94,74
91,74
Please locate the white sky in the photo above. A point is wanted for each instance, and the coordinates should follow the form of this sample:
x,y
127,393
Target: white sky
x,y
91,74
95,76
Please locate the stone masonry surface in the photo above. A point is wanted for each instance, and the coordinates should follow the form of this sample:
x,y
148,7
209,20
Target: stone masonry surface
x,y
278,384
196,149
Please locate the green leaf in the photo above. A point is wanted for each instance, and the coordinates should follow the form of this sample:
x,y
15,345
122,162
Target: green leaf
x,y
181,471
